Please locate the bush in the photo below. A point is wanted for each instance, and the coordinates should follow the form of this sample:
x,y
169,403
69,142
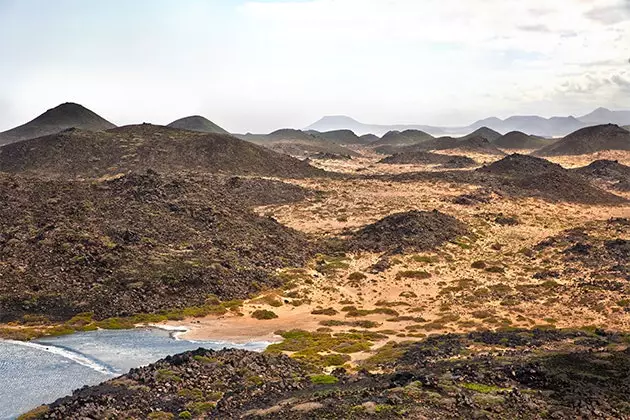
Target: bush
x,y
324,379
356,276
264,314
327,311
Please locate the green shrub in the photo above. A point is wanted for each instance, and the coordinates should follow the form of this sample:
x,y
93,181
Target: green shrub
x,y
327,311
324,379
356,276
264,314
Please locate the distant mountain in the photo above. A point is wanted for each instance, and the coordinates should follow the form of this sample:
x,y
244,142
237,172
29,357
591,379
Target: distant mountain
x,y
62,117
627,127
484,132
402,138
606,116
340,122
589,140
520,140
529,124
80,153
197,123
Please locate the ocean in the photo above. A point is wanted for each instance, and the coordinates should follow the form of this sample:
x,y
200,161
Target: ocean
x,y
40,371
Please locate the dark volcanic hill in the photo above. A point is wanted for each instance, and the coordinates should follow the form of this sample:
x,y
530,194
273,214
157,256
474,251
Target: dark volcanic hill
x,y
402,138
522,175
478,144
197,123
54,120
520,140
339,136
609,171
413,230
521,165
484,132
369,138
589,140
135,244
79,153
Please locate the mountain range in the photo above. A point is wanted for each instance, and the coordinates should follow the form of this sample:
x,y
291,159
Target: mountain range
x,y
530,124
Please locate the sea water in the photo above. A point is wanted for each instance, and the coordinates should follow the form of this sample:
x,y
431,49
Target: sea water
x,y
40,371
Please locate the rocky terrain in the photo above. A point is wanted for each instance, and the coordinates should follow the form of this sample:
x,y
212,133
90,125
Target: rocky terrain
x,y
139,243
197,123
461,283
610,172
519,140
80,153
504,374
589,140
62,117
428,158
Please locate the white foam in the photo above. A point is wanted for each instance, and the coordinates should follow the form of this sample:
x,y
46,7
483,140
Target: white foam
x,y
67,354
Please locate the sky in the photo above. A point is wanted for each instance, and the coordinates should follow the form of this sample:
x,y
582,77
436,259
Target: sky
x,y
255,66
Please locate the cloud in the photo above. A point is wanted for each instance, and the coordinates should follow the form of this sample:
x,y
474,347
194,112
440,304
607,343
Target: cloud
x,y
534,28
610,14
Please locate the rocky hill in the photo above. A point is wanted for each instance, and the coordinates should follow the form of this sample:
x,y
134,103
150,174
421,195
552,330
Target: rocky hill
x,y
369,138
140,243
478,144
589,140
520,140
79,153
483,132
402,138
54,120
339,136
197,123
610,172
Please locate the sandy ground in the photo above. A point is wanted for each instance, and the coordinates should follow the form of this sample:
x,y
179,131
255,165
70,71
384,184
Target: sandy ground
x,y
455,297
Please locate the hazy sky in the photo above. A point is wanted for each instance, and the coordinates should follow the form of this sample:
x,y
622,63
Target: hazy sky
x,y
260,65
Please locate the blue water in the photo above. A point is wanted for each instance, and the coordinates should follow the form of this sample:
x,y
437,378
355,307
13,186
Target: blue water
x,y
43,370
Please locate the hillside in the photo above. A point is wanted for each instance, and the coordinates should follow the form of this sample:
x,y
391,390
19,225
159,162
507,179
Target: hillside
x,y
197,123
402,138
79,153
520,140
589,140
54,120
139,243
